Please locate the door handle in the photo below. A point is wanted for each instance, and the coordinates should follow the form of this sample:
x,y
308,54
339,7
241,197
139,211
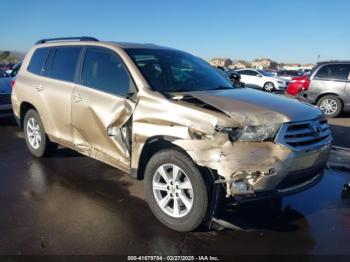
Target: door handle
x,y
77,98
39,88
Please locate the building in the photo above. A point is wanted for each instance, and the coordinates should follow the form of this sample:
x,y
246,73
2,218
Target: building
x,y
297,67
308,66
240,65
290,66
264,63
221,62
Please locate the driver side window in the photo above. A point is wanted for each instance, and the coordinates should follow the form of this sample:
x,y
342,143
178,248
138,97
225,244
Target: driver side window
x,y
252,73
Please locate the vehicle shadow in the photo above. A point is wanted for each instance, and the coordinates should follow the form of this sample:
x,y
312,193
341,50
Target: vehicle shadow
x,y
7,121
340,127
64,152
266,214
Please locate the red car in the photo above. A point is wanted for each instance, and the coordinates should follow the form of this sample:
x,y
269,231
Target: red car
x,y
297,84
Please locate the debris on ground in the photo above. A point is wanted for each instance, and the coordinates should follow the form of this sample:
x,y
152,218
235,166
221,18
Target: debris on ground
x,y
339,158
346,191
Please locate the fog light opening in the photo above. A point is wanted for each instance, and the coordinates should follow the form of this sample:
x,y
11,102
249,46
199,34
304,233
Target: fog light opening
x,y
241,186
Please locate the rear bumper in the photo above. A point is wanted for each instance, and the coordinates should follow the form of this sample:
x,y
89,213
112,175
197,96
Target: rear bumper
x,y
306,97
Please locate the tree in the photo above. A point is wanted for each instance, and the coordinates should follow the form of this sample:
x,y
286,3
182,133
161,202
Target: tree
x,y
5,54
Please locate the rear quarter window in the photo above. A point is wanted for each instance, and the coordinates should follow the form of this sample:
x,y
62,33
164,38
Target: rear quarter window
x,y
334,72
37,61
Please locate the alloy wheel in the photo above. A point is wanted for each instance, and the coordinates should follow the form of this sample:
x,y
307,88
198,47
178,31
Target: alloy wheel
x,y
329,106
269,87
172,190
33,133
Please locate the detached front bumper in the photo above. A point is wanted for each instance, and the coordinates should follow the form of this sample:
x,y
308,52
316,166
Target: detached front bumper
x,y
251,170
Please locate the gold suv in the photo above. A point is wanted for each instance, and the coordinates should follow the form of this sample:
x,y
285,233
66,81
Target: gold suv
x,y
169,118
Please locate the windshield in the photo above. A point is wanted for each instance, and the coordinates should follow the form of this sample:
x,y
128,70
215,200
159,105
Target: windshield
x,y
264,73
176,71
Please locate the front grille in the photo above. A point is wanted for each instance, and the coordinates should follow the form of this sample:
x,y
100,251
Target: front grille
x,y
5,99
304,135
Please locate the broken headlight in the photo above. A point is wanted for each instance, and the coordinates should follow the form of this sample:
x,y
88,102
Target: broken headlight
x,y
252,133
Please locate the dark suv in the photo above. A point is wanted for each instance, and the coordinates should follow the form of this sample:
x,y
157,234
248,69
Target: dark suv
x,y
329,87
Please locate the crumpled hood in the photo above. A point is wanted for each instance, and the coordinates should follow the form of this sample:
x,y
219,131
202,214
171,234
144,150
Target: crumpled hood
x,y
253,107
5,85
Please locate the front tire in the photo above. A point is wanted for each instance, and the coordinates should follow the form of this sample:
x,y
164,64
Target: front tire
x,y
269,87
330,105
176,191
37,141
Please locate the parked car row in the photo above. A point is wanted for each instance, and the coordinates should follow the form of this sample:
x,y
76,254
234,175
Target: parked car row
x,y
6,81
327,86
167,117
261,79
289,74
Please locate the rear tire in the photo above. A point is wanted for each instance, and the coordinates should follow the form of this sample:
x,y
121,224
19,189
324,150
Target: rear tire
x,y
188,190
330,105
38,143
269,87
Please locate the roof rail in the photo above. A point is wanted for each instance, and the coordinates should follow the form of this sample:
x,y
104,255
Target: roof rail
x,y
78,38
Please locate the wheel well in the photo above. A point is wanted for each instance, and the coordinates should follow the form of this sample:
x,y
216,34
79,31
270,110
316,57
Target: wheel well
x,y
25,107
151,147
329,94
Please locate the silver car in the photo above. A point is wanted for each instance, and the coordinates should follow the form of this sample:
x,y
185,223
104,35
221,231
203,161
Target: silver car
x,y
329,87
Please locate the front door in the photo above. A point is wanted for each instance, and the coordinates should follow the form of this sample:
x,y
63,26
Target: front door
x,y
249,78
101,110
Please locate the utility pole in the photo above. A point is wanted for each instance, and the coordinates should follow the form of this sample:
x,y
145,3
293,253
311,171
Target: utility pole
x,y
318,58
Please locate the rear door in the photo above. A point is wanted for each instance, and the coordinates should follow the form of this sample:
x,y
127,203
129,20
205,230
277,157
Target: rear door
x,y
101,110
54,87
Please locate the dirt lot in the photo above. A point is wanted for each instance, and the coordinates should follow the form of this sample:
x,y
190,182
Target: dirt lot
x,y
70,204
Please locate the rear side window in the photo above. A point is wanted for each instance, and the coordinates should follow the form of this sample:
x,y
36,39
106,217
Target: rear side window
x,y
248,72
336,71
37,61
64,63
104,70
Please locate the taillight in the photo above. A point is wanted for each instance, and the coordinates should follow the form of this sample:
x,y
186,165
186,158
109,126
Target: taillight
x,y
13,83
306,84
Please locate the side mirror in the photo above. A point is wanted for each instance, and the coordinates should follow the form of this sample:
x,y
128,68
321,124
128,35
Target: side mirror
x,y
258,75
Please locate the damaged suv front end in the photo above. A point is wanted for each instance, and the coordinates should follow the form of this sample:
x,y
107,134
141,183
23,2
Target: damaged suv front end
x,y
271,151
257,144
258,153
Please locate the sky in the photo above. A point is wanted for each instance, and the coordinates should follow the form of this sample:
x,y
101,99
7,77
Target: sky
x,y
290,31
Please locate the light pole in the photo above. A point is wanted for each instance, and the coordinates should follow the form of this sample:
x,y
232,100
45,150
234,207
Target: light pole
x,y
318,58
